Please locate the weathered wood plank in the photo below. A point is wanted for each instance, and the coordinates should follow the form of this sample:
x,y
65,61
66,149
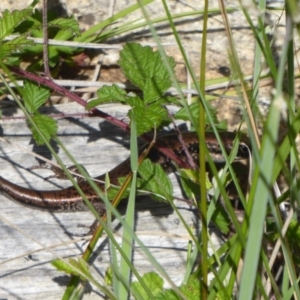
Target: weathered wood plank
x,y
25,269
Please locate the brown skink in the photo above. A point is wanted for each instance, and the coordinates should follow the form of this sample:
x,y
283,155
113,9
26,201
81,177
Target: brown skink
x,y
68,199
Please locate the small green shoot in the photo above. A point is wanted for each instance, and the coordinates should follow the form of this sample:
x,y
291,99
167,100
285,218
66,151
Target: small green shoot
x,y
154,282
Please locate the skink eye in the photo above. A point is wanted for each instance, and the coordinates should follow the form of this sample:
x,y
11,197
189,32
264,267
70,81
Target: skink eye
x,y
244,150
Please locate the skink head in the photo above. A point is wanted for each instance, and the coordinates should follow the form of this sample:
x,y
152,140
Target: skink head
x,y
192,144
214,148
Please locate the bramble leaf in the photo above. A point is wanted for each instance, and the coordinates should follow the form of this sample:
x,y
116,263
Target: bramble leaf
x,y
46,125
168,295
148,117
10,20
108,94
11,46
69,24
191,291
155,180
146,69
221,219
182,114
34,96
154,283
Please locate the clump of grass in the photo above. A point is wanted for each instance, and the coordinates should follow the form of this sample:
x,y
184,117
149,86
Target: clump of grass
x,y
242,261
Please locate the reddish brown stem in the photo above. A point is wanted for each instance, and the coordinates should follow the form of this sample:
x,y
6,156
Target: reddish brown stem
x,y
96,112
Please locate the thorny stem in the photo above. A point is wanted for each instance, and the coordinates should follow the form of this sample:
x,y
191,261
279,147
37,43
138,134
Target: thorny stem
x,y
96,112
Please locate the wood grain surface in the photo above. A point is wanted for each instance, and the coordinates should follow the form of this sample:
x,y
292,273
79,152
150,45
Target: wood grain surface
x,y
31,239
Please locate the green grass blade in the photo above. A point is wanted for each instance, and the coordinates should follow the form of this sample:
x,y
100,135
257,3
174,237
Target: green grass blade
x,y
91,33
127,240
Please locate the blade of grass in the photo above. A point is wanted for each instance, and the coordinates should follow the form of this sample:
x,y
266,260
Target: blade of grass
x,y
127,240
53,152
200,94
257,57
203,263
71,288
135,24
91,33
112,248
260,193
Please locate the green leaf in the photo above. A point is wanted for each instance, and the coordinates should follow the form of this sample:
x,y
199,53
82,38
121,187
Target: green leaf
x,y
155,180
34,3
74,267
69,24
81,265
108,94
168,295
191,291
172,100
146,69
34,96
182,114
293,233
53,56
113,191
147,116
46,125
154,283
34,23
61,265
25,26
108,278
9,47
221,218
13,61
189,182
10,20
